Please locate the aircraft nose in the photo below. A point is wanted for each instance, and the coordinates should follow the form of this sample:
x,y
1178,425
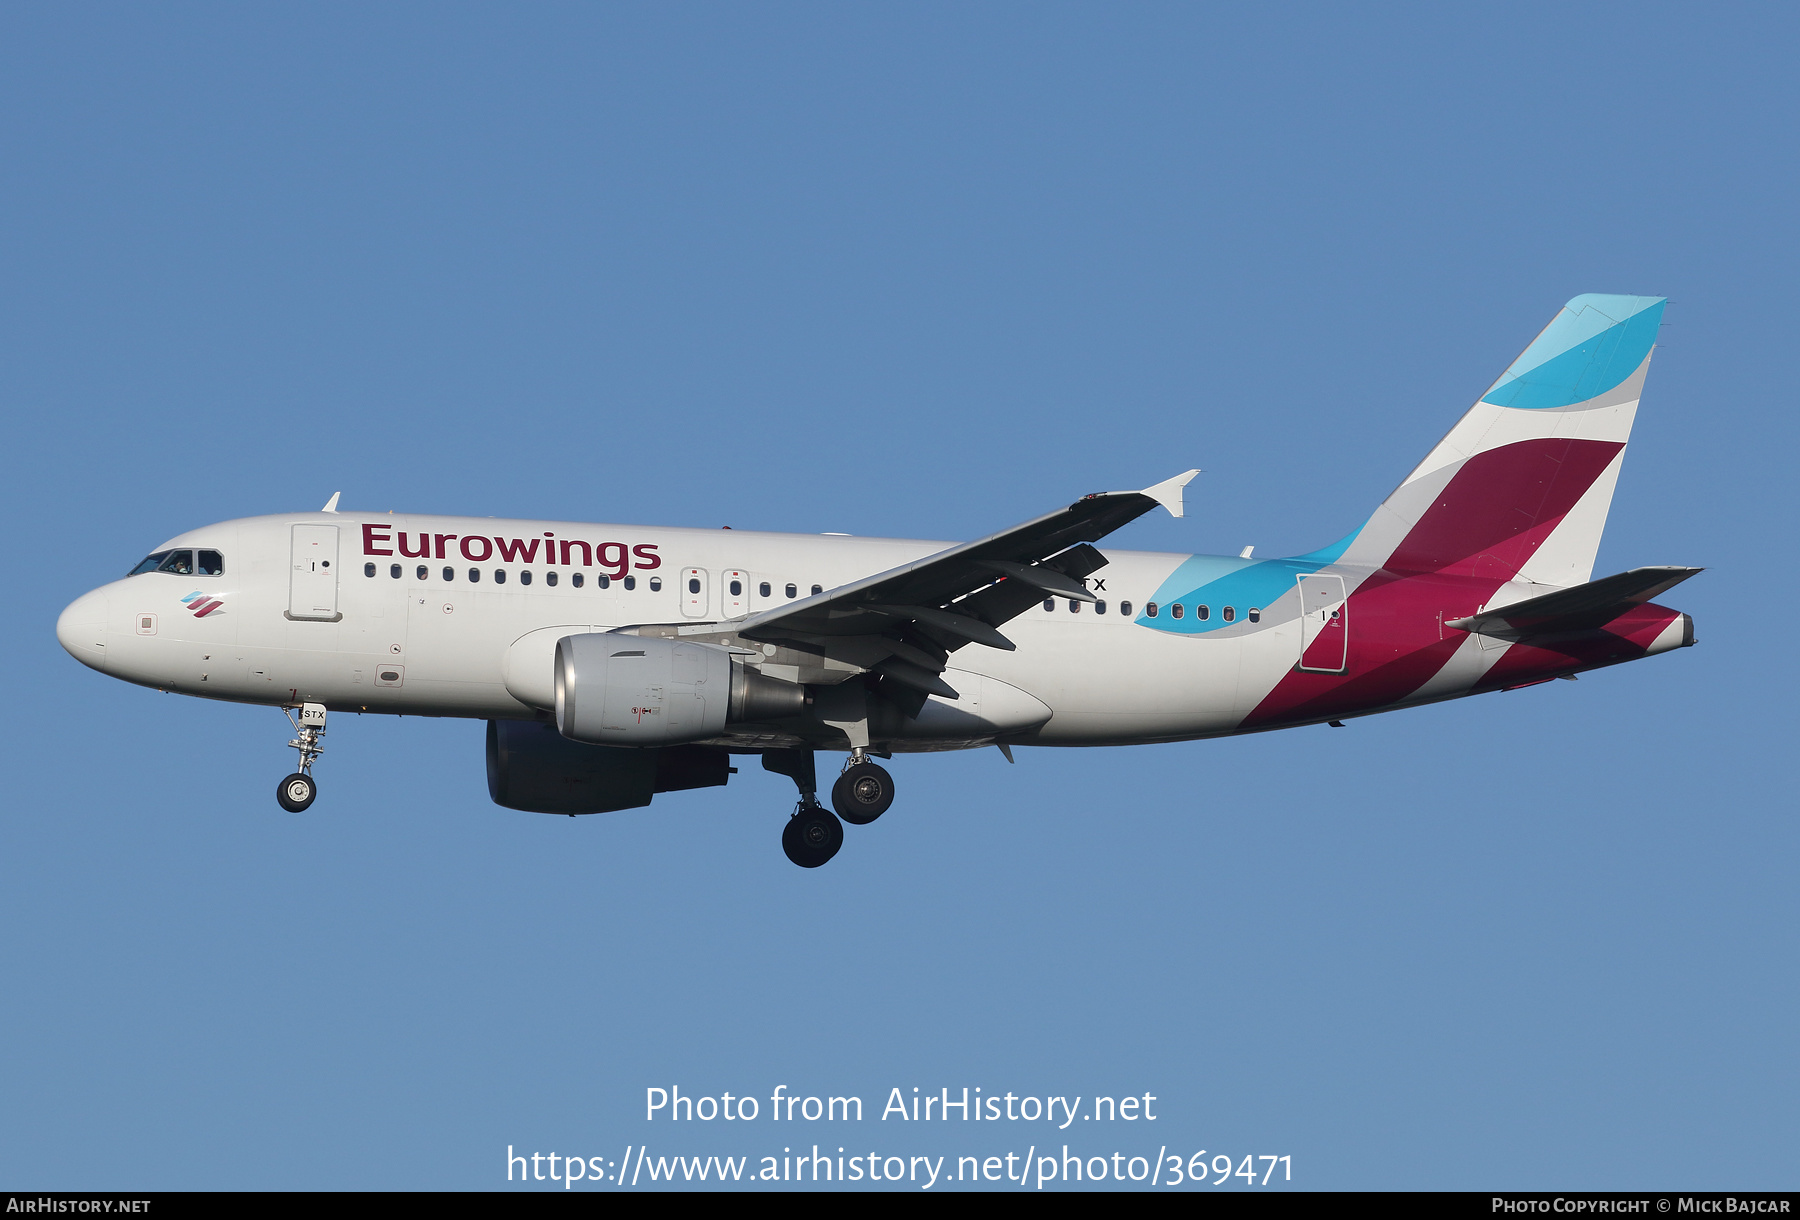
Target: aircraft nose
x,y
81,629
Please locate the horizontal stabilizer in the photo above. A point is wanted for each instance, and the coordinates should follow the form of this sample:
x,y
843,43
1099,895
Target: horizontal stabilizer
x,y
1583,608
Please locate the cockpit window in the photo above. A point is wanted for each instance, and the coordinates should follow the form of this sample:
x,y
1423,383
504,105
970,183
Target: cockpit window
x,y
182,563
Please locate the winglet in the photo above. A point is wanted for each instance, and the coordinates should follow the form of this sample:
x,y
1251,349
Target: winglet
x,y
331,504
1168,492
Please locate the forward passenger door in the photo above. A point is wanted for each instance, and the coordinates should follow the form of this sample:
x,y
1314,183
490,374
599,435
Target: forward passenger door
x,y
313,576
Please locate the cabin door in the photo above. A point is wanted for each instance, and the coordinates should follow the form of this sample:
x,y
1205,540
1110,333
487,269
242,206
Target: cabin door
x,y
313,574
1324,624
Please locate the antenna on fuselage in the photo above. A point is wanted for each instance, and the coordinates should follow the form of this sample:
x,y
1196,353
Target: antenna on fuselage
x,y
331,504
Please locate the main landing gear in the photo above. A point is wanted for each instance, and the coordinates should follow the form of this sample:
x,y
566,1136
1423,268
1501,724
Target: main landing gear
x,y
297,791
813,834
863,792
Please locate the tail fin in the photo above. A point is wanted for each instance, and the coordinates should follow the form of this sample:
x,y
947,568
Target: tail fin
x,y
1521,486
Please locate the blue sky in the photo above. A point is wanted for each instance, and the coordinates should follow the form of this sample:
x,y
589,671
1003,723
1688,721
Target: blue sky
x,y
922,271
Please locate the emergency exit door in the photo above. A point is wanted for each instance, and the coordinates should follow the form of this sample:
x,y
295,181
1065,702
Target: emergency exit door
x,y
734,595
313,575
694,600
1324,624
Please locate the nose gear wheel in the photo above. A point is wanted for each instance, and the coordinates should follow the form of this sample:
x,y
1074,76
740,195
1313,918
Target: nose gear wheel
x,y
296,792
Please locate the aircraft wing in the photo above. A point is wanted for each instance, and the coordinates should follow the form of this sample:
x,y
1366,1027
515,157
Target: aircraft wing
x,y
919,613
1582,608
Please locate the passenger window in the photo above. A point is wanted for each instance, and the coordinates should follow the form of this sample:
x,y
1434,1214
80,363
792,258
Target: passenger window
x,y
1150,610
1099,607
577,579
603,582
424,572
394,570
630,582
763,588
655,584
791,590
550,578
1049,603
1125,609
368,569
149,564
1229,613
449,573
179,562
818,589
1074,606
1255,615
1203,612
737,588
694,585
1177,609
499,576
211,563
524,578
474,576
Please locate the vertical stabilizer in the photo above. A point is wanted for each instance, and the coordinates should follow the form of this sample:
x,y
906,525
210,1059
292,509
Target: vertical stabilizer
x,y
1521,486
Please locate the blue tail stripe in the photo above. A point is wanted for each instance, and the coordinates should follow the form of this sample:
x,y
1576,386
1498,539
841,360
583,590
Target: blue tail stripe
x,y
1575,360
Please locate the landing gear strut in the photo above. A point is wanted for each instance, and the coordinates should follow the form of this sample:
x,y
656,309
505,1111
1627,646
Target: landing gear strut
x,y
297,791
812,835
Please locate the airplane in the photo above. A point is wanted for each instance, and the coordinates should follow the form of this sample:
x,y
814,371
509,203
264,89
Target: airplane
x,y
613,662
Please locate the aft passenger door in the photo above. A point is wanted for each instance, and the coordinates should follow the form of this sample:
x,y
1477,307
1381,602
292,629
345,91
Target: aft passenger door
x,y
1324,624
313,574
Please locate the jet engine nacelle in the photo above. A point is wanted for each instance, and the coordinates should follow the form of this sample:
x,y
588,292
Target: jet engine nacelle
x,y
531,767
629,690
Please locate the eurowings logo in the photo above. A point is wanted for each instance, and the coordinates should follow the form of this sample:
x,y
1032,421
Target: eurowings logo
x,y
202,604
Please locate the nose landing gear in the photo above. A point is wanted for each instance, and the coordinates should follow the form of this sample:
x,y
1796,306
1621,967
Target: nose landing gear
x,y
297,791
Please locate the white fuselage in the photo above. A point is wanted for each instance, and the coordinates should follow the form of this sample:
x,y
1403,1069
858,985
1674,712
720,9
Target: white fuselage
x,y
460,616
427,645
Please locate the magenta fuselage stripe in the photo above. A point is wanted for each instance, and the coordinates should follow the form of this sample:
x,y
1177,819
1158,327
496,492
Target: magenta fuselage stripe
x,y
1486,524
